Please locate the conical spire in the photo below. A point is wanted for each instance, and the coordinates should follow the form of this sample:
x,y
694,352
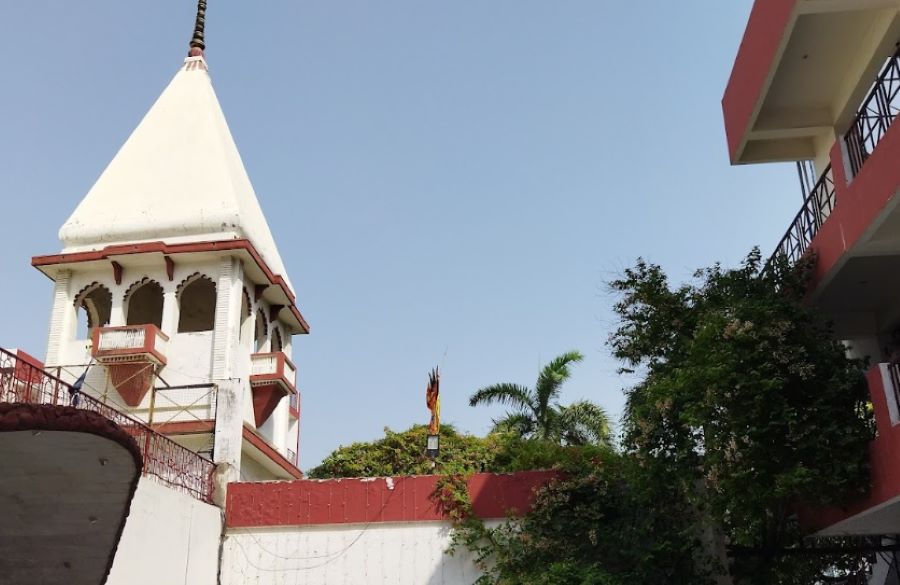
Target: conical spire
x,y
198,43
178,178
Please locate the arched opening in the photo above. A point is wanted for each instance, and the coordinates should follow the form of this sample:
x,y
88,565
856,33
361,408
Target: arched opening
x,y
145,303
93,306
196,304
245,314
262,327
277,343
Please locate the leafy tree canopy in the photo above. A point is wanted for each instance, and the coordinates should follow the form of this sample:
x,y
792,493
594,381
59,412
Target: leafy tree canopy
x,y
403,453
746,408
745,389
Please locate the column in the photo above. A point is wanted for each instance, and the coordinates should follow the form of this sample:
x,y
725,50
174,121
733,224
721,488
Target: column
x,y
61,317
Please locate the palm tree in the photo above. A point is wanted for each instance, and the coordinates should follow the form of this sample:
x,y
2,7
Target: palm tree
x,y
537,412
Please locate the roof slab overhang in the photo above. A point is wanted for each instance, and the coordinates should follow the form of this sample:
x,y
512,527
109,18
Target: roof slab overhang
x,y
802,69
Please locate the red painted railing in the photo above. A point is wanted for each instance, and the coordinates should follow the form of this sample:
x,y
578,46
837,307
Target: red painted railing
x,y
164,459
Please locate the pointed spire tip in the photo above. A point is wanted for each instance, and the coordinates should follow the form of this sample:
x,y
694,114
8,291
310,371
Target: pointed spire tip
x,y
198,43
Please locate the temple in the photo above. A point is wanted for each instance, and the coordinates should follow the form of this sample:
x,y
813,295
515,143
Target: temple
x,y
157,441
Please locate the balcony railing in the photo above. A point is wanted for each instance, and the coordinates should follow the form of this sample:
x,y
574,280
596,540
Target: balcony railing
x,y
112,344
875,116
273,367
164,459
817,206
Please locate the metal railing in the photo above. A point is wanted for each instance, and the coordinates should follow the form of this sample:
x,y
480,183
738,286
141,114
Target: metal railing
x,y
894,370
164,459
875,115
817,206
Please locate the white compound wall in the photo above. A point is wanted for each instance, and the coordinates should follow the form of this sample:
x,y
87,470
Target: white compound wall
x,y
170,538
410,553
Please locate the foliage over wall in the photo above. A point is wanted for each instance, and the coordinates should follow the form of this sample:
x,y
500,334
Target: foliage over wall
x,y
746,408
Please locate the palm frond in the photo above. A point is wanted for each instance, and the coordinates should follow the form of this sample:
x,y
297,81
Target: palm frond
x,y
508,394
552,376
517,423
583,423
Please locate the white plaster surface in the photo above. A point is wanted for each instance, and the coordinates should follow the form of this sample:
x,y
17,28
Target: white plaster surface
x,y
169,539
178,177
381,553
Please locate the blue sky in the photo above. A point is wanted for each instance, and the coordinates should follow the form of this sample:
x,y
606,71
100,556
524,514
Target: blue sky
x,y
449,182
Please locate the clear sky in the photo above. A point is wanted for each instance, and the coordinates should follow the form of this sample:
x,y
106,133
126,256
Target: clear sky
x,y
449,182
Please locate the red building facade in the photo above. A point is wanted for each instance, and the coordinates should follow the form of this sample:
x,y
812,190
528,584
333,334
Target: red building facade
x,y
818,82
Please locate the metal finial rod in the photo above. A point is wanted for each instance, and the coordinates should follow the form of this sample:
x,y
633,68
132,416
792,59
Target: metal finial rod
x,y
198,43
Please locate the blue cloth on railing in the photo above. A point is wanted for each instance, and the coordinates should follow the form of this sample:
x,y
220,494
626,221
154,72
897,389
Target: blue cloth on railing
x,y
75,389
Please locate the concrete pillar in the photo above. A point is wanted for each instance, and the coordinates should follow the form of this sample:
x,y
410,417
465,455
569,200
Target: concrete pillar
x,y
228,437
170,313
62,317
117,308
228,308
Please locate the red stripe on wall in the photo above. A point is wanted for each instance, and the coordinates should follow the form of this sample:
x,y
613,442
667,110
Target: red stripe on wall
x,y
355,501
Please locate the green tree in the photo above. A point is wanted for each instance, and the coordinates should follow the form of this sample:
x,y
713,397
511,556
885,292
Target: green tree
x,y
747,402
746,410
537,413
403,453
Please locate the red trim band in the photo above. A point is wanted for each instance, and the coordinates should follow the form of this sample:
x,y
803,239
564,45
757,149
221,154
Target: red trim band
x,y
355,501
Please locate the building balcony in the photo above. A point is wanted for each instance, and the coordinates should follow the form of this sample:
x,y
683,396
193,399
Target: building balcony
x,y
802,68
132,342
132,354
272,377
880,511
850,218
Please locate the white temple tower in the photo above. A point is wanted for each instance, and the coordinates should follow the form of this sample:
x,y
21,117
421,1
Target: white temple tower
x,y
171,286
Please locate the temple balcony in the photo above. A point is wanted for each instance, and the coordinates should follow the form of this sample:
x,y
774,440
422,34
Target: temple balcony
x,y
272,377
129,343
802,68
132,354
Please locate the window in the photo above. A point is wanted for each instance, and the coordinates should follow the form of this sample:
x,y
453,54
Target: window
x,y
197,304
93,306
145,303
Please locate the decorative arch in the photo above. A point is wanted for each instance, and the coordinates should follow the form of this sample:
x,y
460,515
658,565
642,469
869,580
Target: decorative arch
x,y
246,305
196,296
277,340
261,330
96,302
246,312
144,303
